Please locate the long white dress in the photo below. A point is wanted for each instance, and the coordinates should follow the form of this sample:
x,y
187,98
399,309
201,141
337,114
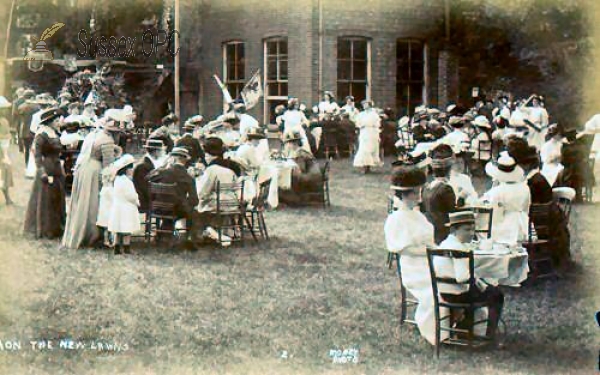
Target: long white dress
x,y
124,216
367,154
511,211
550,155
409,229
292,122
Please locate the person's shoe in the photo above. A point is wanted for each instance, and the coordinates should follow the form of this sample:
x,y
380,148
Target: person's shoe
x,y
213,235
118,250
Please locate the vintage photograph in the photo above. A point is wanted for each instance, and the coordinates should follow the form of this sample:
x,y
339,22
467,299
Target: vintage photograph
x,y
299,187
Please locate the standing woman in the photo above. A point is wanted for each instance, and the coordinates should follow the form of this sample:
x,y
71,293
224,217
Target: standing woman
x,y
45,215
98,151
6,178
369,124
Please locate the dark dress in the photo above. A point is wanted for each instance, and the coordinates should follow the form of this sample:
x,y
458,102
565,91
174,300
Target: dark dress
x,y
438,201
142,187
560,237
308,179
46,213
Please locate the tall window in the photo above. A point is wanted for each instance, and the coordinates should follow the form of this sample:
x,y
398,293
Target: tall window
x,y
234,65
410,75
353,68
276,75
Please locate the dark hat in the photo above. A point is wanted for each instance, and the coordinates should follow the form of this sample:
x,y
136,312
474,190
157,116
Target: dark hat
x,y
71,126
153,144
461,217
255,133
442,156
49,115
408,177
519,149
214,146
180,152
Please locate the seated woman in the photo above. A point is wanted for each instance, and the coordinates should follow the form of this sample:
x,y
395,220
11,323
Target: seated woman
x,y
409,233
462,184
462,230
510,199
306,177
551,154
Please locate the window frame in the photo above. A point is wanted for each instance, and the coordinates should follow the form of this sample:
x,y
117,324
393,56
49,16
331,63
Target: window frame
x,y
279,58
238,82
411,81
351,80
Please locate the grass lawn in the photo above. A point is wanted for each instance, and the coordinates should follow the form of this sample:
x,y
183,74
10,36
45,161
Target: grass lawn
x,y
319,284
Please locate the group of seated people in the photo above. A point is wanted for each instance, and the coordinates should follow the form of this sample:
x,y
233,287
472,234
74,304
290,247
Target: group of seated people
x,y
433,202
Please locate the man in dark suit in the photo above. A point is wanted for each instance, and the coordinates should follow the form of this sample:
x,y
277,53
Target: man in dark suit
x,y
26,111
150,161
186,195
191,144
163,133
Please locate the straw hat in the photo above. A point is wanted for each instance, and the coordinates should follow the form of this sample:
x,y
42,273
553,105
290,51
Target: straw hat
x,y
291,136
506,169
482,122
181,152
255,133
49,115
153,144
460,217
123,162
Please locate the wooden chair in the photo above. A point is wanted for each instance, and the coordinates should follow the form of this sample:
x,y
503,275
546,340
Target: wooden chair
x,y
538,243
588,187
563,196
230,214
322,195
408,300
161,217
255,216
486,230
471,340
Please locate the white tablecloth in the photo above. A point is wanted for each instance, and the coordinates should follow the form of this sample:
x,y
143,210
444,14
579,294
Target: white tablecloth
x,y
280,173
502,269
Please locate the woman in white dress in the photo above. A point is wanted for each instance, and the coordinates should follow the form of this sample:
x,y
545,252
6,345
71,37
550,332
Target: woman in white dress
x,y
510,199
295,120
551,154
124,217
369,124
409,233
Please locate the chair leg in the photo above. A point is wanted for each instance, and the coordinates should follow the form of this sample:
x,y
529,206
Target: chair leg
x,y
250,227
263,225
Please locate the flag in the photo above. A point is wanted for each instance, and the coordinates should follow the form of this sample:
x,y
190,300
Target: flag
x,y
253,91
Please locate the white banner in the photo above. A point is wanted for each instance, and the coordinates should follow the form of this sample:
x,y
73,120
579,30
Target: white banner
x,y
253,91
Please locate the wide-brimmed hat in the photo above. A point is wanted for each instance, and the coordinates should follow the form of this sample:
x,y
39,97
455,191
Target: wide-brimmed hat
x,y
450,108
194,120
214,146
153,144
291,136
482,122
124,161
255,133
442,156
49,115
456,122
408,177
182,152
505,170
169,119
403,122
461,217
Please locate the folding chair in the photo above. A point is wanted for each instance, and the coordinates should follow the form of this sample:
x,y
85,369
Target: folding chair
x,y
564,196
538,243
472,341
483,228
230,214
161,217
255,216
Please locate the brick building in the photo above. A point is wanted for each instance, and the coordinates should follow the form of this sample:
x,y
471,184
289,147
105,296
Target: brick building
x,y
385,50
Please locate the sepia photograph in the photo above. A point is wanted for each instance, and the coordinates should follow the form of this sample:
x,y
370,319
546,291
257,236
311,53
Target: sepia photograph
x,y
299,187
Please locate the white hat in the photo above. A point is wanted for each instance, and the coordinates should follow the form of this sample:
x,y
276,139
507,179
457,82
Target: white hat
x,y
122,162
127,110
403,122
506,169
115,114
482,122
4,103
450,108
593,125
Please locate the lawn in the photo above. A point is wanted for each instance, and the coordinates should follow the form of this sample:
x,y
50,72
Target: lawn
x,y
272,308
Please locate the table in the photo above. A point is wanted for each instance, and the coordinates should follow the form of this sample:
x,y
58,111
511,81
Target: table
x,y
509,269
280,173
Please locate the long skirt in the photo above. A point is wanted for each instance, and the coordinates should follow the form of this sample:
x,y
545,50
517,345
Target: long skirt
x,y
45,216
81,229
368,148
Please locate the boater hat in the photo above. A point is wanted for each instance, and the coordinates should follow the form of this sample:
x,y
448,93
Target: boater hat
x,y
460,217
482,122
180,152
506,169
153,144
123,162
49,115
255,133
442,156
407,178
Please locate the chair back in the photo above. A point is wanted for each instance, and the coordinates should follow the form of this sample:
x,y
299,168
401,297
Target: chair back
x,y
484,147
539,220
163,198
263,195
483,221
325,171
563,196
230,198
449,254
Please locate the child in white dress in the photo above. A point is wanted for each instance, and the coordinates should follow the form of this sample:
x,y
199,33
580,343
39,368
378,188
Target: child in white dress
x,y
124,217
106,199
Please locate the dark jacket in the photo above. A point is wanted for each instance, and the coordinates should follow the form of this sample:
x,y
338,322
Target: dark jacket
x,y
540,189
140,172
185,187
162,134
193,146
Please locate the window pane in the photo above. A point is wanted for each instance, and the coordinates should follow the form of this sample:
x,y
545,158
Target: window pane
x,y
402,50
360,50
283,89
230,52
271,104
343,48
240,51
416,51
416,93
283,69
343,90
359,91
344,70
283,50
272,69
402,74
271,48
230,71
416,71
360,70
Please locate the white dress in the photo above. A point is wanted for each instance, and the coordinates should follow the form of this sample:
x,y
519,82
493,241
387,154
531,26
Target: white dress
x,y
550,155
409,229
106,198
367,154
292,122
124,216
511,212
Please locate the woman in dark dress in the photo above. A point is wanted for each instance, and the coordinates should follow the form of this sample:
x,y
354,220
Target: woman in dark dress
x,y
46,213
